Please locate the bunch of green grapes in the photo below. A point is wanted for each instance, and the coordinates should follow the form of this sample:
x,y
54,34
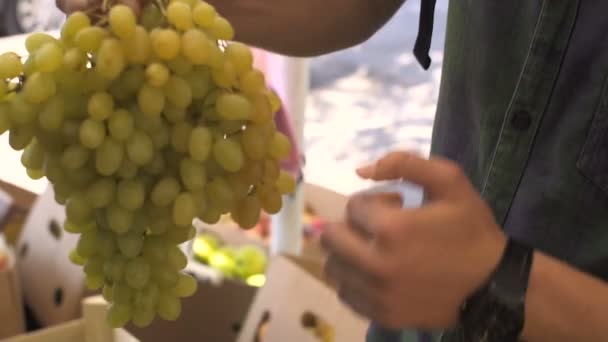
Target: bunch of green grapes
x,y
142,125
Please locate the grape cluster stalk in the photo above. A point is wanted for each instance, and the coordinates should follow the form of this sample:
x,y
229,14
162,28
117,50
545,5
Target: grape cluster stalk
x,y
142,125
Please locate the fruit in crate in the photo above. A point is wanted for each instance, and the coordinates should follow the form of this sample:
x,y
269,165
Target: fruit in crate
x,y
223,260
250,260
142,125
203,246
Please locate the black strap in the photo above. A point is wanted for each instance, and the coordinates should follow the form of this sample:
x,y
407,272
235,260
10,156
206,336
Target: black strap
x,y
425,33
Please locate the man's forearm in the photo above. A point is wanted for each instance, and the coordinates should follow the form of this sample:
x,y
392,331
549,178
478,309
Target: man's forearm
x,y
306,27
564,304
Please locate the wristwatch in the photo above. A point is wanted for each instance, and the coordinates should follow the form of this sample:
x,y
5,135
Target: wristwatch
x,y
495,313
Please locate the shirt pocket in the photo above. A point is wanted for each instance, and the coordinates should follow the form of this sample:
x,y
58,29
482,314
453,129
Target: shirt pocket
x,y
593,158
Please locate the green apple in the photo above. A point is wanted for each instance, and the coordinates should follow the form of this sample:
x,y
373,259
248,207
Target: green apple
x,y
223,261
204,246
256,280
250,260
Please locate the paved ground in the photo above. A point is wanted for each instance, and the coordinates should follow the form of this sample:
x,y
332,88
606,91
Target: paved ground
x,y
372,99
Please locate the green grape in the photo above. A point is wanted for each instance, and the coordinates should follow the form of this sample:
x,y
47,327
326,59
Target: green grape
x,y
240,188
10,65
254,143
140,148
92,133
100,106
106,293
3,88
180,136
131,194
184,209
156,166
195,46
49,58
151,100
101,193
166,44
192,175
161,138
76,259
157,74
75,107
89,39
174,114
219,192
179,15
74,23
130,245
21,112
93,81
148,124
229,155
204,14
211,214
200,201
240,56
108,157
34,174
233,107
147,298
251,82
178,92
169,306
82,177
164,276
77,209
270,199
107,244
114,268
94,265
285,183
200,82
5,121
121,125
119,219
52,114
133,78
143,317
186,286
262,111
93,282
224,75
165,192
74,60
180,65
247,212
34,41
176,258
279,146
74,157
70,83
127,169
111,59
155,250
119,315
29,67
221,29
151,17
199,144
87,244
177,235
39,87
216,56
137,273
33,156
20,137
122,21
271,171
52,169
138,47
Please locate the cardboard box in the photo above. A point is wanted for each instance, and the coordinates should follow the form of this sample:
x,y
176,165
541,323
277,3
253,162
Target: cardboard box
x,y
16,203
298,304
12,320
90,328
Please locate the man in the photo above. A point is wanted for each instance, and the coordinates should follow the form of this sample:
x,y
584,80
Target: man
x,y
512,240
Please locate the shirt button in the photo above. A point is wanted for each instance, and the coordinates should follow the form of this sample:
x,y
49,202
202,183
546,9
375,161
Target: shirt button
x,y
521,120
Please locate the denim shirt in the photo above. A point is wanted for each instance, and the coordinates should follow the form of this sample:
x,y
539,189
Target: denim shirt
x,y
523,108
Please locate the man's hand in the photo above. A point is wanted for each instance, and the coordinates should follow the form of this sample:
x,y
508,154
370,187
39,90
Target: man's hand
x,y
414,267
69,6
